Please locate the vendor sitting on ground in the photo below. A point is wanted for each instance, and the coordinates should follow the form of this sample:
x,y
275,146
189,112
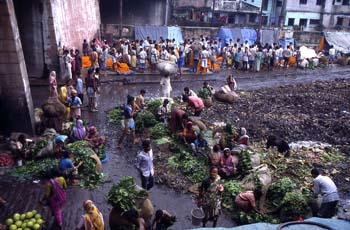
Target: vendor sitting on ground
x,y
164,111
209,89
78,131
20,147
246,201
227,166
178,120
195,104
163,220
67,167
188,135
231,82
241,138
200,143
94,139
215,156
189,92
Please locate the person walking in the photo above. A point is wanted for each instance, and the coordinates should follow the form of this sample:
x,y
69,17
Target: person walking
x,y
55,196
144,164
165,86
129,123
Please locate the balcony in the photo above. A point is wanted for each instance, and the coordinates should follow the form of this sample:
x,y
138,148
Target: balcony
x,y
229,6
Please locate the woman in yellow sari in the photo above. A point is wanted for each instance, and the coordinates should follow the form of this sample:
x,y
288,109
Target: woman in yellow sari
x,y
92,219
64,94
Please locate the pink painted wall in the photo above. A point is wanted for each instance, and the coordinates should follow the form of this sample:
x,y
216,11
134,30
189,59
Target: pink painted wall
x,y
75,20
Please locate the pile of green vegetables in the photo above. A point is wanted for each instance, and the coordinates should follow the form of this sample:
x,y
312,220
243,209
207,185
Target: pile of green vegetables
x,y
194,169
245,163
124,194
34,169
231,189
144,119
88,176
204,93
160,130
115,115
278,190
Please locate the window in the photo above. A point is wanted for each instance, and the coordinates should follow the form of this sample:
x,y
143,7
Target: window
x,y
252,18
290,21
264,5
339,21
303,22
346,2
279,3
302,2
320,2
314,21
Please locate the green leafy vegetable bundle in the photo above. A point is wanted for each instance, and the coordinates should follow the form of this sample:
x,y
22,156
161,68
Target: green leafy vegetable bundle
x,y
115,115
159,130
124,194
193,168
87,172
35,168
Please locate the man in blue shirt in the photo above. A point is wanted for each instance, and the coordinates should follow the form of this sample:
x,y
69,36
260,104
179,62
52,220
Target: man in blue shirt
x,y
66,165
128,122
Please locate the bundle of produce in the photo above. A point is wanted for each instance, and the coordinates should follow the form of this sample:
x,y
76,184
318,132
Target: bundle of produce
x,y
144,119
232,189
245,163
90,171
278,190
29,220
115,115
34,169
159,130
6,159
124,194
193,168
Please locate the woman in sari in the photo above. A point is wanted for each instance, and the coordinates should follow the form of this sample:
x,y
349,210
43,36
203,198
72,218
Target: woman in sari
x,y
210,197
92,219
94,139
79,131
227,165
258,58
55,196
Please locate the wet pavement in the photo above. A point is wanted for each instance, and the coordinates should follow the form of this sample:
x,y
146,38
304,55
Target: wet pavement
x,y
24,196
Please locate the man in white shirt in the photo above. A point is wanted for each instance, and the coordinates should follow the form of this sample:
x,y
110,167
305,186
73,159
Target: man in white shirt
x,y
323,185
144,164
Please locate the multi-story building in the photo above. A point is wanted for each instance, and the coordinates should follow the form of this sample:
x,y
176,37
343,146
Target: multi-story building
x,y
311,15
223,12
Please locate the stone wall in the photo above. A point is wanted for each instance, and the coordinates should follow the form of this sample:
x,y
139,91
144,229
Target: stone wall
x,y
16,106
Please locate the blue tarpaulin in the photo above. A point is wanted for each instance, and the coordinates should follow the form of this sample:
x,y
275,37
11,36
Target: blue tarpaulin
x,y
225,34
284,42
333,223
155,32
175,32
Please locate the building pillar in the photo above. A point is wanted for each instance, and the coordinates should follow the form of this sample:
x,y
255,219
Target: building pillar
x,y
16,105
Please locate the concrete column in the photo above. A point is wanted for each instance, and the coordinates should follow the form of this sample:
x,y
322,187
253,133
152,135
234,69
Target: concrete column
x,y
16,106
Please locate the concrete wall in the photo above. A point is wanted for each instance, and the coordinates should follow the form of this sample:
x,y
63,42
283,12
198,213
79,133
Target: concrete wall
x,y
16,106
135,12
75,21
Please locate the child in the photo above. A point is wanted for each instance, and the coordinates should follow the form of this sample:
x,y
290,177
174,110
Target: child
x,y
75,103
